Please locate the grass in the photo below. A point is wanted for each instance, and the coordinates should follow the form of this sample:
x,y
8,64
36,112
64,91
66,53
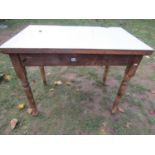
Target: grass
x,y
84,106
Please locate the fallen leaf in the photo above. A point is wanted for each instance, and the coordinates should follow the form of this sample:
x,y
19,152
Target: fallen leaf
x,y
7,77
121,109
104,124
29,110
68,83
128,125
20,106
48,73
103,131
147,56
13,123
57,83
52,89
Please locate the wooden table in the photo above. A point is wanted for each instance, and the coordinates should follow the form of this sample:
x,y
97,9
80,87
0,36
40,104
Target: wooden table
x,y
75,46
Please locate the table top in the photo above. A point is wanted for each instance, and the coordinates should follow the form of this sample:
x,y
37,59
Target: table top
x,y
74,37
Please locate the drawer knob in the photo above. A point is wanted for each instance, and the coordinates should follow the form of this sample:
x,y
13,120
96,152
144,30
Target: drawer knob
x,y
73,59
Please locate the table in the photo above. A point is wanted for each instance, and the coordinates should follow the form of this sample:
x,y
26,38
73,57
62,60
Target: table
x,y
39,45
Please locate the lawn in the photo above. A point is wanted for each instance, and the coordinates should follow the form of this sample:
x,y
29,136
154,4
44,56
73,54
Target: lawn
x,y
82,106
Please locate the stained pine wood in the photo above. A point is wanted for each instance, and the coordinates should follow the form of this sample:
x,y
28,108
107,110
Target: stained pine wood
x,y
22,75
81,59
129,73
75,51
75,46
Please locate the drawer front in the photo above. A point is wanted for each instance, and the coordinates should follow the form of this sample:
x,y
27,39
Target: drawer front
x,y
74,59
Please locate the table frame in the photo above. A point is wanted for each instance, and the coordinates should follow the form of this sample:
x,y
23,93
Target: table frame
x,y
21,60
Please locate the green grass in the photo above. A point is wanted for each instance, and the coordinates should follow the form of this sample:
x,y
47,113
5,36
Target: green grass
x,y
152,120
83,107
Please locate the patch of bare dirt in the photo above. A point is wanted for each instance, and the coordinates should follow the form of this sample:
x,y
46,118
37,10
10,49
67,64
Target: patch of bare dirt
x,y
70,76
95,103
112,83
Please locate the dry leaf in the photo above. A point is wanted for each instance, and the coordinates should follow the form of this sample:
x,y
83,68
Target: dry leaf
x,y
57,83
13,123
104,124
147,56
29,110
103,131
128,124
121,109
68,83
20,106
7,77
52,89
48,73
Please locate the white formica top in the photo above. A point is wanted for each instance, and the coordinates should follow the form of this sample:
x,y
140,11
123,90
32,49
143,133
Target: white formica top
x,y
75,37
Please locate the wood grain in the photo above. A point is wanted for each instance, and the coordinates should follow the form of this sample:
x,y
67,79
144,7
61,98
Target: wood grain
x,y
22,75
81,60
74,51
129,73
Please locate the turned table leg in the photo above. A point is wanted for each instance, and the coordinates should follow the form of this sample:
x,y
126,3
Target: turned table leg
x,y
106,70
129,73
22,75
42,71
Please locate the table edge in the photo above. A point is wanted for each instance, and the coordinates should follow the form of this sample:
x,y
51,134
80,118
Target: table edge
x,y
74,51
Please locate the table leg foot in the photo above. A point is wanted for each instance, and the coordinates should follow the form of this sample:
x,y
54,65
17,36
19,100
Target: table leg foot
x,y
35,112
117,109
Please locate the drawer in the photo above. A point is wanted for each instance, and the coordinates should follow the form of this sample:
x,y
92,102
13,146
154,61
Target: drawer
x,y
74,59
